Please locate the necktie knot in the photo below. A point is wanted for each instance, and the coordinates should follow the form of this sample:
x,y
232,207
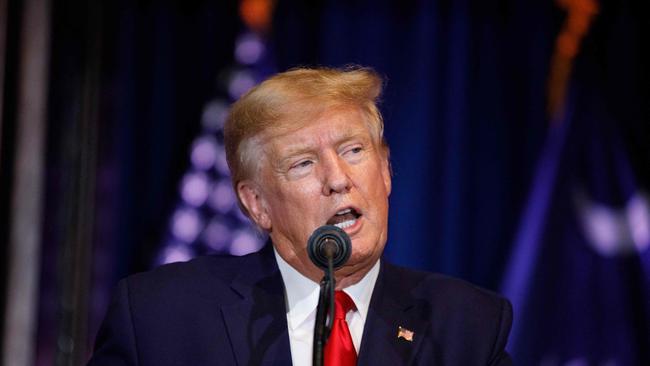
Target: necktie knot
x,y
342,304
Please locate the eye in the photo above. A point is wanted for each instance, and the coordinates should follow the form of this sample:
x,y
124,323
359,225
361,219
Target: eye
x,y
302,164
353,152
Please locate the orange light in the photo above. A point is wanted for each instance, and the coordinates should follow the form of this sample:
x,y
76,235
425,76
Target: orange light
x,y
567,45
257,14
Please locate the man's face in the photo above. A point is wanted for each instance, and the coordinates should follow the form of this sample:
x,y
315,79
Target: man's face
x,y
330,171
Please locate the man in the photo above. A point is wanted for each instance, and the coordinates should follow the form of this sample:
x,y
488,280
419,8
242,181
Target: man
x,y
305,149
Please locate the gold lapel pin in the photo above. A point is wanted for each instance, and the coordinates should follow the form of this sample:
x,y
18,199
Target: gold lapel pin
x,y
404,333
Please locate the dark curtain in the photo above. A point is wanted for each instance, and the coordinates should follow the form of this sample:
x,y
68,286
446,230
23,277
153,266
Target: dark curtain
x,y
466,119
148,68
464,109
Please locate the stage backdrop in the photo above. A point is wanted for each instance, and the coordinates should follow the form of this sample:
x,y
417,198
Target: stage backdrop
x,y
479,165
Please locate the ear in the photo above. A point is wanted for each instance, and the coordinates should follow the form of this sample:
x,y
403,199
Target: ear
x,y
250,196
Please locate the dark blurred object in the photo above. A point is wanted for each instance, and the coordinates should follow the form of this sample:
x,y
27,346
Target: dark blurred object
x,y
465,109
579,274
127,83
466,118
25,34
207,218
159,63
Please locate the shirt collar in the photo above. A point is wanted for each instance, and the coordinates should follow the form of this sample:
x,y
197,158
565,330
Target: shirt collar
x,y
302,293
361,292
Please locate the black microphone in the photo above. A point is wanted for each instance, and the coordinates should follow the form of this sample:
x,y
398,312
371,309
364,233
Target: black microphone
x,y
328,242
329,247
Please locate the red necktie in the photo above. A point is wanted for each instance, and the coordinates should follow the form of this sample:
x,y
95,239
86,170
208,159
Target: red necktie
x,y
339,350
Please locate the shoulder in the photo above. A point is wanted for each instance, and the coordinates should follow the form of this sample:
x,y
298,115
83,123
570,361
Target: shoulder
x,y
429,285
455,300
202,277
169,311
214,265
460,316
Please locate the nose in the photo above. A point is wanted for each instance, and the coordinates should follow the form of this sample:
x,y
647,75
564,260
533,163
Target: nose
x,y
336,177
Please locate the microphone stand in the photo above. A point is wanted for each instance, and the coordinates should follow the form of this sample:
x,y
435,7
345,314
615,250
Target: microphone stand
x,y
323,327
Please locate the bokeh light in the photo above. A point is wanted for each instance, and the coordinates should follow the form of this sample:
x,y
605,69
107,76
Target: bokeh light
x,y
176,252
244,242
214,115
638,217
222,198
186,224
207,219
195,188
204,152
217,235
249,48
239,83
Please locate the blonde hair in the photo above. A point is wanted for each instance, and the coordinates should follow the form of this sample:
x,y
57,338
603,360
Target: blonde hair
x,y
290,100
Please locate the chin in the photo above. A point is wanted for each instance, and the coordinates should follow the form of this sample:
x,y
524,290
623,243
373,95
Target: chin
x,y
361,258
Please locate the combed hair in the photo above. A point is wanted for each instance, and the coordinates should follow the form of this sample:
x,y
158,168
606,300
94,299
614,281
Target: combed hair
x,y
292,99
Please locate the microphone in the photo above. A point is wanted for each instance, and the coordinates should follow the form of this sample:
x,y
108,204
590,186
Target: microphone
x,y
329,242
329,247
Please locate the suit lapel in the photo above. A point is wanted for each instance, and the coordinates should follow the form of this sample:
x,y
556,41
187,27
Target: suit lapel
x,y
391,307
257,324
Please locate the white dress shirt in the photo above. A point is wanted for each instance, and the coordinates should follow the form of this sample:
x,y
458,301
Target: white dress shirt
x,y
302,299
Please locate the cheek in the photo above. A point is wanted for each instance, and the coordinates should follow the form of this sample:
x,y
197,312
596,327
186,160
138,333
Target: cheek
x,y
297,202
300,195
378,184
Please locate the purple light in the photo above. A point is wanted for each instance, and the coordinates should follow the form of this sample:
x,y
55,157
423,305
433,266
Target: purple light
x,y
244,242
186,224
222,163
204,152
249,49
612,231
240,215
195,188
240,83
638,217
214,115
604,228
176,253
217,235
222,198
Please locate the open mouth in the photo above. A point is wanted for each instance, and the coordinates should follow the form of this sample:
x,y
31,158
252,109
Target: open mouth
x,y
344,218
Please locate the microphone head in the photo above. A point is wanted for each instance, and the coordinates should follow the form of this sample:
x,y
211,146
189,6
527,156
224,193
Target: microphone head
x,y
334,238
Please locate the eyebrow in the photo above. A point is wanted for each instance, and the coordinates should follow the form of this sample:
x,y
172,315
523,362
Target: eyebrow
x,y
304,149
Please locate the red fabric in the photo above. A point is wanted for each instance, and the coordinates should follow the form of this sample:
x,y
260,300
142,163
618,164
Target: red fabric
x,y
339,350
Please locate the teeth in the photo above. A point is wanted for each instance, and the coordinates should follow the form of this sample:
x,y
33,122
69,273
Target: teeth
x,y
343,212
344,224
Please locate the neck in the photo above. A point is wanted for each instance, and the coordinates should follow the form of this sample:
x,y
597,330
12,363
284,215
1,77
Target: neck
x,y
345,276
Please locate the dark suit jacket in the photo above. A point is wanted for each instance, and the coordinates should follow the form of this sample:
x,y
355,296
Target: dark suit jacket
x,y
231,311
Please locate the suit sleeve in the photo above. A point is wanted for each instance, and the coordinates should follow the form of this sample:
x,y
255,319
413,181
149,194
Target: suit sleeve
x,y
115,344
500,355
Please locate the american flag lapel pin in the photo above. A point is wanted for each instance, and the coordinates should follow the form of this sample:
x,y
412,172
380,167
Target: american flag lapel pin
x,y
404,333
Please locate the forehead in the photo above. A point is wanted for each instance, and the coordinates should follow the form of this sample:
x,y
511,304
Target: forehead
x,y
330,127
